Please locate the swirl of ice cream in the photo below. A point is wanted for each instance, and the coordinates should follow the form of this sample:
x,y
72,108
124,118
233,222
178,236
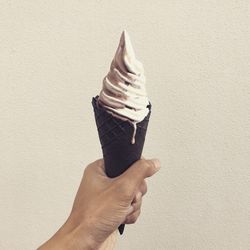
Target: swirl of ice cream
x,y
124,93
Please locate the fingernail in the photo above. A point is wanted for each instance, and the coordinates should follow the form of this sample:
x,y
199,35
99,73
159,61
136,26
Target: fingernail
x,y
156,163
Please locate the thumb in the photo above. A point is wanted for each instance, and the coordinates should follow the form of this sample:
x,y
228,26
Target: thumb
x,y
140,170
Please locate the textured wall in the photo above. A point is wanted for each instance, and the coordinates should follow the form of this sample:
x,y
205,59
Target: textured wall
x,y
53,56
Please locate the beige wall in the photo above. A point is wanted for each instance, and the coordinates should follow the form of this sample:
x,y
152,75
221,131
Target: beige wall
x,y
53,56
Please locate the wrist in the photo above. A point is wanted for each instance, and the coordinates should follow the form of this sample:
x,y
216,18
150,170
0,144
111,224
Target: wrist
x,y
79,236
70,237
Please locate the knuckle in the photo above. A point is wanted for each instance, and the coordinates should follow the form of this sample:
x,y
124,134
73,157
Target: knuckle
x,y
93,164
137,206
149,168
133,219
87,169
138,197
149,164
144,188
122,188
99,162
135,216
140,204
141,162
146,164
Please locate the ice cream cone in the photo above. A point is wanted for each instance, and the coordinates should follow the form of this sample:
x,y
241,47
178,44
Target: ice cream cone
x,y
115,138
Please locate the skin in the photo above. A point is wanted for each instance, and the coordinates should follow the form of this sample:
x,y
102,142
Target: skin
x,y
101,205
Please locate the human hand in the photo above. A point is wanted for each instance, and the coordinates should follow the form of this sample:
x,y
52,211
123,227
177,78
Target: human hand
x,y
102,204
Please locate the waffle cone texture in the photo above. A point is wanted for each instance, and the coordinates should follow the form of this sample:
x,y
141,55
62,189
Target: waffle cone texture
x,y
115,137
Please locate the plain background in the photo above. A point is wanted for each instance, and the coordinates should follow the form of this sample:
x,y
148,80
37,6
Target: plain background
x,y
196,54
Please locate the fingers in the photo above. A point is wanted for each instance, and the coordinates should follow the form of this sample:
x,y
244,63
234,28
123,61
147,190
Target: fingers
x,y
130,219
130,210
142,191
143,187
140,170
100,163
138,196
137,204
135,209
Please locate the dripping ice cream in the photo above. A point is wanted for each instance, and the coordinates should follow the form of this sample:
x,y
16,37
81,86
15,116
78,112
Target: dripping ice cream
x,y
123,92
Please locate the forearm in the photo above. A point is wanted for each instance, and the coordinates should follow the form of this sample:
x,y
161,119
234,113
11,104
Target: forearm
x,y
70,238
110,242
67,242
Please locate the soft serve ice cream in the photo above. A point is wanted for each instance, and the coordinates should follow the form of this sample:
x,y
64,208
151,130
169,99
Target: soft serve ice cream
x,y
123,93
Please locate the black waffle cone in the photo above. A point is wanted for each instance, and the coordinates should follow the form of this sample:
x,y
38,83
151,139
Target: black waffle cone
x,y
115,136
